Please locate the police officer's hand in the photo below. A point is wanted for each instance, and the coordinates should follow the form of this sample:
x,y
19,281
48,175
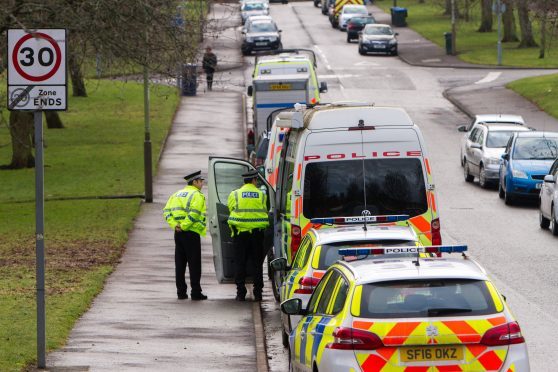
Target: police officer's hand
x,y
177,228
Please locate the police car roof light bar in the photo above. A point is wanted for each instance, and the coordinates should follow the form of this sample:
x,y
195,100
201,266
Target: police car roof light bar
x,y
357,220
402,250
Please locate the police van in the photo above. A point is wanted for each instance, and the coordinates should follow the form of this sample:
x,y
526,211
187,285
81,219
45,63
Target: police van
x,y
280,81
341,159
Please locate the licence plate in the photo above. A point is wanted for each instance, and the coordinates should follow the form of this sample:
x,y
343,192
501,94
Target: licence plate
x,y
431,353
379,46
538,185
280,86
260,43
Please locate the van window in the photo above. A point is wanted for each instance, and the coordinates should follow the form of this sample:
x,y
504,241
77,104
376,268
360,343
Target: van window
x,y
393,186
227,179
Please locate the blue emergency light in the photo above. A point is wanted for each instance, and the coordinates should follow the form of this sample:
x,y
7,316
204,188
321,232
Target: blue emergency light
x,y
354,220
402,250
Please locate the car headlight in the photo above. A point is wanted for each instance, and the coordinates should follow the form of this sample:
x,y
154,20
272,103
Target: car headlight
x,y
249,39
272,39
518,174
493,161
392,42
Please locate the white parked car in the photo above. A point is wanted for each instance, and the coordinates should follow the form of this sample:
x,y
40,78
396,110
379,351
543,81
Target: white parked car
x,y
350,11
548,208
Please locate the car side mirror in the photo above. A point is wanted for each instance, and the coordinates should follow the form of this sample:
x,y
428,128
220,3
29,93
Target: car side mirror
x,y
243,31
293,306
549,178
506,156
397,34
279,264
323,87
476,146
250,91
505,299
279,30
462,128
369,14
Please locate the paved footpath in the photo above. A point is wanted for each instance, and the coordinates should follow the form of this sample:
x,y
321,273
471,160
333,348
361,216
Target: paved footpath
x,y
137,323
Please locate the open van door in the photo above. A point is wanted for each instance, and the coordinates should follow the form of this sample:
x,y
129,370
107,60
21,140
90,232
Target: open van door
x,y
224,176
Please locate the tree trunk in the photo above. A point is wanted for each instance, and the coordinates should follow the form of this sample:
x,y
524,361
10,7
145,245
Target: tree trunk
x,y
21,131
510,33
447,11
486,16
467,10
543,34
53,120
527,40
78,84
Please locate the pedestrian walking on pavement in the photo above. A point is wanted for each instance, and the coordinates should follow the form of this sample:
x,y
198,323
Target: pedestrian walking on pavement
x,y
185,214
209,64
248,220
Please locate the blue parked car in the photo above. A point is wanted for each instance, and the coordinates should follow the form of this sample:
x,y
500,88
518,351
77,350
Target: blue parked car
x,y
525,162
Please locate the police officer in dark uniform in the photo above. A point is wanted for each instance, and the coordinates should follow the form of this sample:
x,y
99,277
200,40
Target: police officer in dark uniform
x,y
185,213
248,220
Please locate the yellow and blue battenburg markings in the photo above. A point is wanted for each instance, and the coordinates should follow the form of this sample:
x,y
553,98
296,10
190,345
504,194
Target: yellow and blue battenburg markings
x,y
400,250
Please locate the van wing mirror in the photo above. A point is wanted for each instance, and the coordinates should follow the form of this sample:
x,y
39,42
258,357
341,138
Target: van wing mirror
x,y
462,128
293,306
279,264
476,146
323,87
506,156
250,91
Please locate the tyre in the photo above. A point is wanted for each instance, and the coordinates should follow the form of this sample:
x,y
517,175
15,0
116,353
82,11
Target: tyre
x,y
468,177
348,38
482,178
508,198
285,338
544,222
553,223
395,52
275,286
246,52
501,192
361,51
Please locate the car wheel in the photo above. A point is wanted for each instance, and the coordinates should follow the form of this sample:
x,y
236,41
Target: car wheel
x,y
466,174
395,52
246,52
501,192
543,221
508,198
361,51
285,338
274,286
553,223
482,178
348,38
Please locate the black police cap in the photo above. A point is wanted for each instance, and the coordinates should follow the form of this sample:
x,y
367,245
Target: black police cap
x,y
250,174
194,176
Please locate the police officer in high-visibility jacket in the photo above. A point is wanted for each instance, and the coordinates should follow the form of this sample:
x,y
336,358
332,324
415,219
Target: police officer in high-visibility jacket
x,y
185,213
248,220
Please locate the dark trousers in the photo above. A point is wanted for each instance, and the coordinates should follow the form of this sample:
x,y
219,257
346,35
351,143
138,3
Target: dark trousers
x,y
187,251
248,250
209,76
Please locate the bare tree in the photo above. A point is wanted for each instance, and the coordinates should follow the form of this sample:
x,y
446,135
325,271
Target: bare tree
x,y
486,16
546,12
527,39
508,19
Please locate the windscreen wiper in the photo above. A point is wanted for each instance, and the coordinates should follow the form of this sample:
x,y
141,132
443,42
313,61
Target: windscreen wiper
x,y
447,310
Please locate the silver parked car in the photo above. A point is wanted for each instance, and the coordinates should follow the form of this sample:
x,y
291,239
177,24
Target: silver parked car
x,y
548,207
482,149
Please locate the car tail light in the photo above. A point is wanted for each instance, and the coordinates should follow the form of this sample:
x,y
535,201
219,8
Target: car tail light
x,y
436,235
350,26
296,236
307,285
505,334
354,339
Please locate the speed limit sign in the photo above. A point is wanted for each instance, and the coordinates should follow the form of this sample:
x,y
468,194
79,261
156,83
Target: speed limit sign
x,y
37,69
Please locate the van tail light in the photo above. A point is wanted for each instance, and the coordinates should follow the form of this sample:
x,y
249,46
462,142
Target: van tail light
x,y
436,235
296,237
354,339
505,334
307,285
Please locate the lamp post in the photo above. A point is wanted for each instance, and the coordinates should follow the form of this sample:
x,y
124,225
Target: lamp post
x,y
453,28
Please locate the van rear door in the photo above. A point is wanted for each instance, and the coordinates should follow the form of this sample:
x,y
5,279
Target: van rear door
x,y
224,176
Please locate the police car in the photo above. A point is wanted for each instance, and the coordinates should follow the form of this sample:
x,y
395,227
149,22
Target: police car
x,y
319,250
405,314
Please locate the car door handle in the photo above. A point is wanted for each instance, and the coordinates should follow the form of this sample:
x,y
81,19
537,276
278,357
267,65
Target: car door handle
x,y
313,333
302,334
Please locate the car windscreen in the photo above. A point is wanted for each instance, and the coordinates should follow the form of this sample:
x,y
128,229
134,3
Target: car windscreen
x,y
535,148
378,31
354,10
263,27
361,20
253,6
498,138
329,253
336,188
426,298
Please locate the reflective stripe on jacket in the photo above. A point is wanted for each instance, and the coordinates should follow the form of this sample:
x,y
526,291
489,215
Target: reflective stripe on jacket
x,y
186,208
248,209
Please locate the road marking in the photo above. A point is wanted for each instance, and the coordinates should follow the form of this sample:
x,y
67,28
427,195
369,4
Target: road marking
x,y
321,53
334,76
491,76
366,63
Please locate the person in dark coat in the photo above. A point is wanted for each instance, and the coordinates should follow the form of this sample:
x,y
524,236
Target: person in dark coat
x,y
208,64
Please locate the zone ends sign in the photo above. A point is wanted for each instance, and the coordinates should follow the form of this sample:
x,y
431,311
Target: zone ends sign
x,y
37,70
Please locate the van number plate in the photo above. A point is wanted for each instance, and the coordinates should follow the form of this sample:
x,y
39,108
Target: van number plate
x,y
280,86
431,353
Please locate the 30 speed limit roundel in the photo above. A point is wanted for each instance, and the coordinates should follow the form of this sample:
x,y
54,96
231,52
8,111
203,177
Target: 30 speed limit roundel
x,y
37,57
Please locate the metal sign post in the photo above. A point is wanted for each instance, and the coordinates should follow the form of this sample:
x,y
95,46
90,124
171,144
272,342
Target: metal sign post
x,y
37,82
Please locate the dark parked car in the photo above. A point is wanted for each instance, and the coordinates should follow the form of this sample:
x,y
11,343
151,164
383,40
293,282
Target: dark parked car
x,y
356,24
261,35
377,38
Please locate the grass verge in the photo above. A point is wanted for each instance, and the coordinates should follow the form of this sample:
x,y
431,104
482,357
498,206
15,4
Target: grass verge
x,y
100,152
472,46
541,90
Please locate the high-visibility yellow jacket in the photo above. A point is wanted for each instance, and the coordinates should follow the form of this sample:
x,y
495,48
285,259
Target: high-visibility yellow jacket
x,y
186,208
248,207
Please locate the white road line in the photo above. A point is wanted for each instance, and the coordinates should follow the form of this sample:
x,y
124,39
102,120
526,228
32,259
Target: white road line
x,y
322,54
491,76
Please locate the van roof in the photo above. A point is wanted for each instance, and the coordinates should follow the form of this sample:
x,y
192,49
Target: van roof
x,y
345,116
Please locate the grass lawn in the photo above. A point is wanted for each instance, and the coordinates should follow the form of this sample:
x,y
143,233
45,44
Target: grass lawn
x,y
472,46
541,90
100,152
